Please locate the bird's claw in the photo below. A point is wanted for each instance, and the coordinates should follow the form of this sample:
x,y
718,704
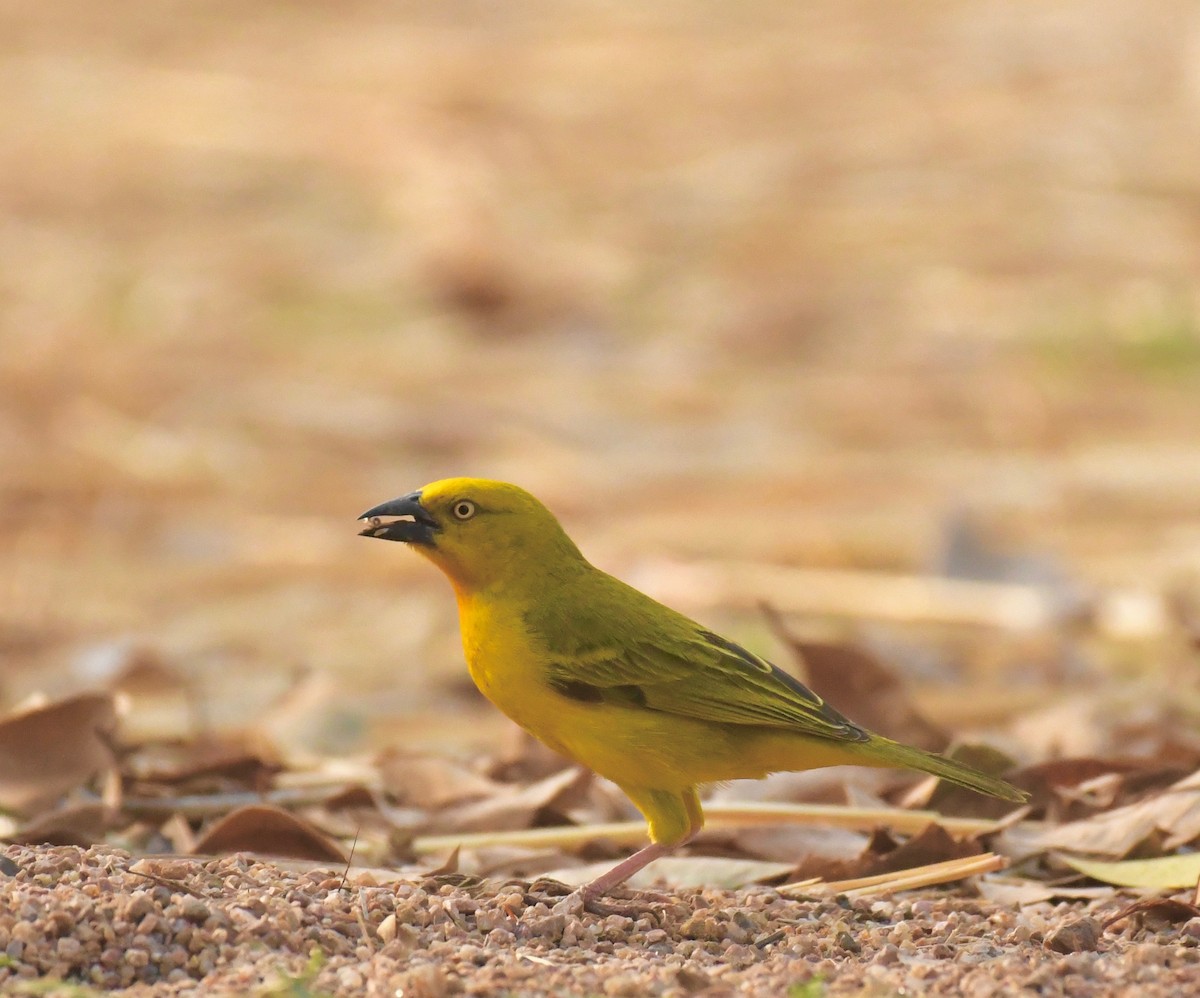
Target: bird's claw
x,y
546,887
638,904
577,902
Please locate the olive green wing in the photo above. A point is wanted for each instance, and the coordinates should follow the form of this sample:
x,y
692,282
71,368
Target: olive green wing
x,y
705,677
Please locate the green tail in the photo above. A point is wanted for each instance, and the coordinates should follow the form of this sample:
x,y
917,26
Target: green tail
x,y
884,752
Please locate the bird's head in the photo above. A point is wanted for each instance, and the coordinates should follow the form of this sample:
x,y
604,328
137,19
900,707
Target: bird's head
x,y
479,532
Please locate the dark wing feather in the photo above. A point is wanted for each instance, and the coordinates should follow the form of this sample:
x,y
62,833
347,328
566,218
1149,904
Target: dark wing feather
x,y
705,677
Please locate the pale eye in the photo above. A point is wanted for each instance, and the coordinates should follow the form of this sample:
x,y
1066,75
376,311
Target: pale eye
x,y
464,509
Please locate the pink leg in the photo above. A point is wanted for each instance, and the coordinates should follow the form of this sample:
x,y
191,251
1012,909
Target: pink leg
x,y
625,869
644,857
680,812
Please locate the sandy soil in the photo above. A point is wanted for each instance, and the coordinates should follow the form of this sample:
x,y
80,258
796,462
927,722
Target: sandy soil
x,y
240,926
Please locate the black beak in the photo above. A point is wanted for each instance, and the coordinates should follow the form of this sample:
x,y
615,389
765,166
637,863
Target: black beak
x,y
419,530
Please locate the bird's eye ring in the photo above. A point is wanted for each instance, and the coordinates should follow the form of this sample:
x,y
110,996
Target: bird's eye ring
x,y
464,509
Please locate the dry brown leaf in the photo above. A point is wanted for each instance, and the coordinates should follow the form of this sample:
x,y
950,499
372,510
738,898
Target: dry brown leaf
x,y
49,750
1160,909
860,686
268,831
178,831
509,862
1141,718
785,843
358,812
518,807
683,871
223,765
882,855
352,798
858,786
1055,774
143,672
76,825
431,781
449,865
354,875
523,758
1012,891
1172,815
1075,788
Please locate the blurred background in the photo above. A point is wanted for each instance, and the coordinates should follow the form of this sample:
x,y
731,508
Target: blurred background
x,y
765,300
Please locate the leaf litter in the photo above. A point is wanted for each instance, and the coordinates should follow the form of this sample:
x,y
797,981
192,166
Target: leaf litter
x,y
1097,826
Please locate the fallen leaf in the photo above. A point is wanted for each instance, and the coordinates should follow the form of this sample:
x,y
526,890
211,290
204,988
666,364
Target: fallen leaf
x,y
1163,909
523,758
170,872
1163,872
1055,774
1011,891
143,671
858,786
46,751
352,798
932,845
860,685
517,807
787,843
1143,718
356,876
267,831
683,871
1173,814
178,831
168,867
77,825
201,765
430,781
449,865
1075,788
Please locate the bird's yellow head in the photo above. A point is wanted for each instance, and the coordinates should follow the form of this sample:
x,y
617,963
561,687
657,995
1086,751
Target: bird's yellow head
x,y
479,532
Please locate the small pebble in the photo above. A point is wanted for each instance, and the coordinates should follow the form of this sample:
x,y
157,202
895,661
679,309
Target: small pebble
x,y
1079,934
387,929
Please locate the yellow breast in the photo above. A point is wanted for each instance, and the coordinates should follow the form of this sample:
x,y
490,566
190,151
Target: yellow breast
x,y
506,665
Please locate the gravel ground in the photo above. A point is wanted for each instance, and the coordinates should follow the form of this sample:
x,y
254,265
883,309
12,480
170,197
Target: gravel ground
x,y
236,925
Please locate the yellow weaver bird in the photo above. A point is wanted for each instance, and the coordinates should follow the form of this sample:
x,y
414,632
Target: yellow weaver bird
x,y
614,680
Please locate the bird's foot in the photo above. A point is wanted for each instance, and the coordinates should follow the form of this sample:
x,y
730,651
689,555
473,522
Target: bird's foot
x,y
564,901
545,889
634,904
